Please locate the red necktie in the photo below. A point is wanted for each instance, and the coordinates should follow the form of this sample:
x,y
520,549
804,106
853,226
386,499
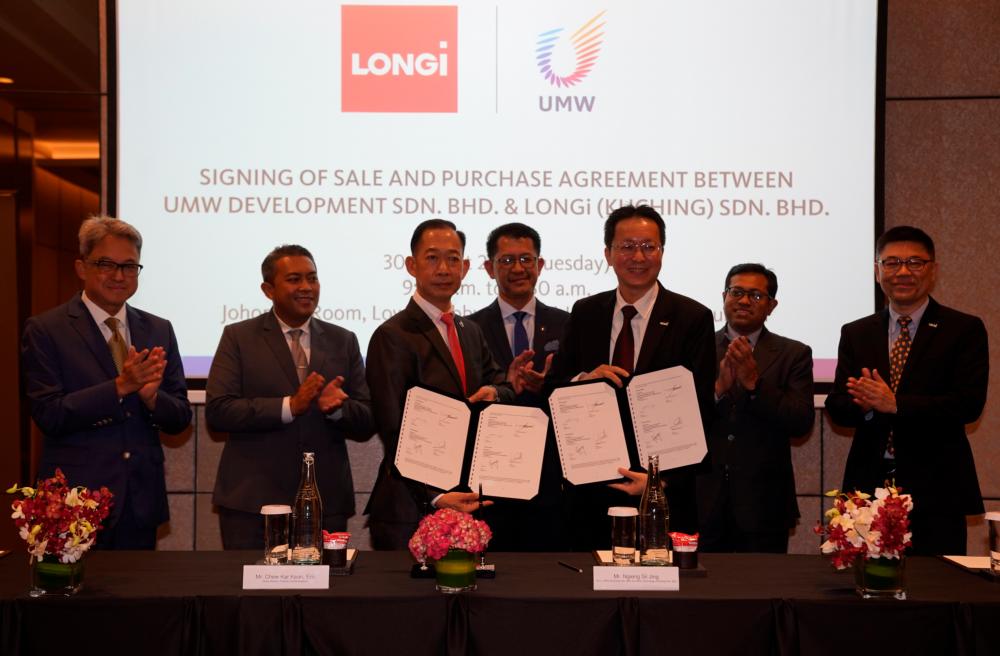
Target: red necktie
x,y
624,354
456,347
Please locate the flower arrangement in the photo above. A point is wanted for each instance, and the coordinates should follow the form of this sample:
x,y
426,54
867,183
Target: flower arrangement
x,y
858,527
59,520
448,529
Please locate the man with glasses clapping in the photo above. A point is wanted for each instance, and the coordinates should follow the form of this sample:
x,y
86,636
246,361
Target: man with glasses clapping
x,y
104,378
909,378
764,398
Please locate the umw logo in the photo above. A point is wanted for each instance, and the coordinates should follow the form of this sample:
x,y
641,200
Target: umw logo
x,y
586,43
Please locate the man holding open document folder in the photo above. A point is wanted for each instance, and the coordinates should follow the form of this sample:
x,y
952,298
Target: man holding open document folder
x,y
637,328
425,344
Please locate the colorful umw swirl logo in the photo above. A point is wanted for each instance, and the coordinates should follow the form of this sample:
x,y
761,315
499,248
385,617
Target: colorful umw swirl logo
x,y
587,44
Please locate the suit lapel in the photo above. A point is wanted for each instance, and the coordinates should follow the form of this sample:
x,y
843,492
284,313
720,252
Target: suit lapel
x,y
721,344
275,340
543,332
656,329
765,352
425,326
83,324
929,325
496,335
600,328
138,330
317,352
880,328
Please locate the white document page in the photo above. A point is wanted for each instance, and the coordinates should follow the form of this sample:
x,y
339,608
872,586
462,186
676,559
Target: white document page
x,y
589,432
666,417
432,438
510,444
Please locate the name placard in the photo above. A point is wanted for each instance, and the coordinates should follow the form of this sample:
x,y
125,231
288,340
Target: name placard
x,y
636,578
286,577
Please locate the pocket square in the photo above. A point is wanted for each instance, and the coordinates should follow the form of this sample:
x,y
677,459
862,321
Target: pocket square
x,y
551,346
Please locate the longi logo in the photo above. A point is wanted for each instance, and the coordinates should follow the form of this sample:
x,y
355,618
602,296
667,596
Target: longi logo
x,y
381,63
399,58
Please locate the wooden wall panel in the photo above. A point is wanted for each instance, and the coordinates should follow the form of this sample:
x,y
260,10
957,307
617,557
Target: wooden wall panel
x,y
943,48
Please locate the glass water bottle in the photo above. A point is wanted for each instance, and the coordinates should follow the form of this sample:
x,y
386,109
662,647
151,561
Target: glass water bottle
x,y
307,516
654,519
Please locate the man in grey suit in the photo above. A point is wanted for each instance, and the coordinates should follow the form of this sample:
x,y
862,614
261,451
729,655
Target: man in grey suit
x,y
764,398
515,323
104,379
281,384
425,344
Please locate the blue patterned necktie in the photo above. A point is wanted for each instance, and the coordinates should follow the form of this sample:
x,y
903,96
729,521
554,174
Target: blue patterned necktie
x,y
520,334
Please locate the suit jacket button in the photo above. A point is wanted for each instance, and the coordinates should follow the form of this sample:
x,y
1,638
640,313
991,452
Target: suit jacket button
x,y
127,455
128,414
731,437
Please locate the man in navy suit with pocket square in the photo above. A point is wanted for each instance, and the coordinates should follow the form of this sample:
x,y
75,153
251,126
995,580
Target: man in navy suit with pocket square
x,y
514,323
104,379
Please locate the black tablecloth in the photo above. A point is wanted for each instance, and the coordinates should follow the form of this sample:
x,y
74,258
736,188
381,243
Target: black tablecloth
x,y
192,603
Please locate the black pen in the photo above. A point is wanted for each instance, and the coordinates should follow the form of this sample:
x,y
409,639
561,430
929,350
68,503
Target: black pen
x,y
572,567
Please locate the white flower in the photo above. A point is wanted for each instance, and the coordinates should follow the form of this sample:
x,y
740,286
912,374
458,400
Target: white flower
x,y
73,497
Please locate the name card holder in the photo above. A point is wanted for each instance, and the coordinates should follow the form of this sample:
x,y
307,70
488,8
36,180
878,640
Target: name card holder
x,y
636,578
286,577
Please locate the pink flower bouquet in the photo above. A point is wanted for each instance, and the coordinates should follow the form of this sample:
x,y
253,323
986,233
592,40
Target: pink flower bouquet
x,y
448,529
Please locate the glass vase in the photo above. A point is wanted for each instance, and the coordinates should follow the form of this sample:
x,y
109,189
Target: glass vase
x,y
52,578
456,571
880,578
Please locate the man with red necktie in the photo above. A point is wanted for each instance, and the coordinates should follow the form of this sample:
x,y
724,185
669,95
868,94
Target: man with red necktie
x,y
425,344
909,378
639,327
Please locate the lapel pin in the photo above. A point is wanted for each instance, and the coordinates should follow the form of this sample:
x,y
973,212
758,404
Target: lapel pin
x,y
932,325
664,323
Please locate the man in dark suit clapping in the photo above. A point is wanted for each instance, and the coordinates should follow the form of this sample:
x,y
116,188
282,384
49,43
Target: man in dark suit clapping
x,y
515,323
280,384
764,397
909,378
104,378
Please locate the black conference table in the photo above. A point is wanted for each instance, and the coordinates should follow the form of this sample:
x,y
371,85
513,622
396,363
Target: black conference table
x,y
193,603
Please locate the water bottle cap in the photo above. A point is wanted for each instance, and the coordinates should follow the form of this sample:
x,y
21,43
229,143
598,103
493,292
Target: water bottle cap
x,y
275,509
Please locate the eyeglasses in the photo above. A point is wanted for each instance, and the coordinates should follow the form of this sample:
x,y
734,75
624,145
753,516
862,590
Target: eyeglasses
x,y
648,248
108,267
527,261
892,264
736,293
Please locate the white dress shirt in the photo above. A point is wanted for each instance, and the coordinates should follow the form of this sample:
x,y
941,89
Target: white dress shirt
x,y
509,320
